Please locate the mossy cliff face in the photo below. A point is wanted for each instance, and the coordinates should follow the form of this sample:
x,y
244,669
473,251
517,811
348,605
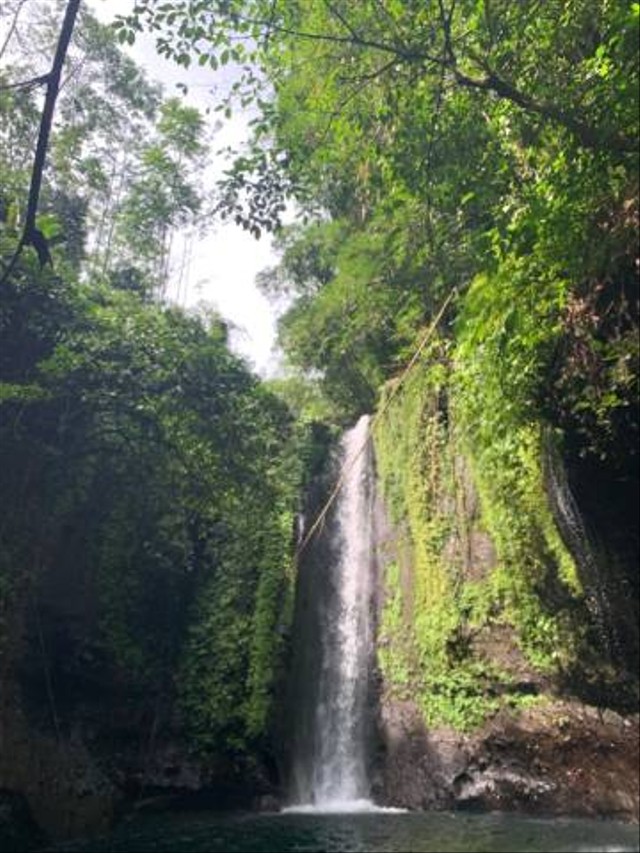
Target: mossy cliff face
x,y
483,603
494,608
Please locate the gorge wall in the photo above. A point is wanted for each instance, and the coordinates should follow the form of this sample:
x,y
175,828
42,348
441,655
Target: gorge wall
x,y
506,632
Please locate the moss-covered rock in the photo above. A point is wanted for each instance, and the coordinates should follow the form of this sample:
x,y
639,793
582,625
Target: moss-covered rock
x,y
485,604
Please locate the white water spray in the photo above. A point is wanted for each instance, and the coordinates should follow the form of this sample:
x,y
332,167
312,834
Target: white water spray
x,y
334,769
341,773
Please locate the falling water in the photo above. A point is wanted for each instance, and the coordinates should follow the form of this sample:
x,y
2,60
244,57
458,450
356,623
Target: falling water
x,y
578,541
331,766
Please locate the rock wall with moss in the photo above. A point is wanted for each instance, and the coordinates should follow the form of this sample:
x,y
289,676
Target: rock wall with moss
x,y
500,612
495,592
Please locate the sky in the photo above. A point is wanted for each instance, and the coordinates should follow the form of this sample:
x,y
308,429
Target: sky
x,y
223,265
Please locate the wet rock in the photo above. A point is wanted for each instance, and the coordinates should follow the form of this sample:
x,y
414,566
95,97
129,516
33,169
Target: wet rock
x,y
560,758
417,773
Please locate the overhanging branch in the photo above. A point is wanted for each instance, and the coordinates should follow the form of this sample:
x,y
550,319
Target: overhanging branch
x,y
588,135
31,235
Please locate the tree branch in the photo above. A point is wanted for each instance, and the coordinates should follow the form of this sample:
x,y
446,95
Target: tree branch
x,y
445,20
12,27
31,236
356,40
25,84
372,75
345,23
589,136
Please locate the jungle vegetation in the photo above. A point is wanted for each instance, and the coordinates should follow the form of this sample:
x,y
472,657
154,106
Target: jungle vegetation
x,y
481,148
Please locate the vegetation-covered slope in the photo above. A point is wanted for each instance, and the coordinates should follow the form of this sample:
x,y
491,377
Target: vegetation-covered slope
x,y
490,149
148,479
481,148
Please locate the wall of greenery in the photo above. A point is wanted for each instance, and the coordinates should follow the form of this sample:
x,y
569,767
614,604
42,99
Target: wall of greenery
x,y
149,479
463,458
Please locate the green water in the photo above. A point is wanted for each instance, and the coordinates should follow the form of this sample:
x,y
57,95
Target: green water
x,y
391,833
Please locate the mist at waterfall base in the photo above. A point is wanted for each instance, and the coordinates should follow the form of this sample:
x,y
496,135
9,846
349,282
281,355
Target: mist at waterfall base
x,y
331,727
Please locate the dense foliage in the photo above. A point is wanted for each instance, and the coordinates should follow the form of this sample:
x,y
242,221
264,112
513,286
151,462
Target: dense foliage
x,y
430,145
482,148
490,148
483,599
149,479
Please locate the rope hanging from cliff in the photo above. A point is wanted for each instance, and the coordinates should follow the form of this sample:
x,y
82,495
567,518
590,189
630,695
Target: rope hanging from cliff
x,y
346,469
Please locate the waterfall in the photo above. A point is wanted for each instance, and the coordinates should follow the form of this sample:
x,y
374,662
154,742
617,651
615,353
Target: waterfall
x,y
332,713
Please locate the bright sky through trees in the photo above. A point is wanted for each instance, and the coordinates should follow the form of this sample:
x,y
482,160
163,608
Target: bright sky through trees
x,y
221,267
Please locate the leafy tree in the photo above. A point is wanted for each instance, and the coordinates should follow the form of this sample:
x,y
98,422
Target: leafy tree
x,y
123,162
163,193
31,235
518,53
149,479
